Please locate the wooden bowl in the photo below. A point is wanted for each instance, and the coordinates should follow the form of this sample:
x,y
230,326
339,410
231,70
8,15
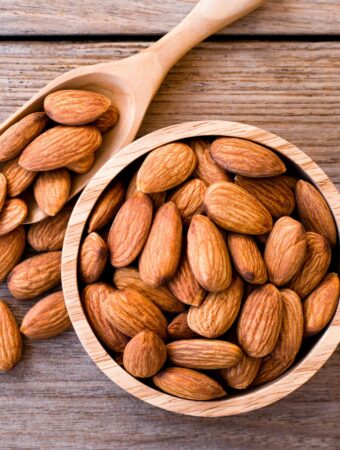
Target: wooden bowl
x,y
300,372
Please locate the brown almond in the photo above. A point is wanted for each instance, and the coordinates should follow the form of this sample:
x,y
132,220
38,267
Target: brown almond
x,y
289,180
12,215
144,355
60,146
107,120
189,384
3,190
178,328
247,258
35,275
243,374
129,278
83,165
270,369
18,135
246,158
47,318
52,190
75,106
166,167
161,254
10,339
314,212
285,250
233,208
12,246
189,198
92,258
158,198
260,321
18,178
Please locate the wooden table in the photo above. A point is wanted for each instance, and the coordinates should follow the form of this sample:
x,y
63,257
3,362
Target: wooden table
x,y
278,69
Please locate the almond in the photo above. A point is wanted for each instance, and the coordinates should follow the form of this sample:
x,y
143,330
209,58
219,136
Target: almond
x,y
158,198
48,234
107,206
247,258
17,136
130,230
3,190
93,297
203,354
270,369
246,158
131,312
178,328
161,254
52,190
12,215
107,120
189,198
207,170
273,193
129,278
218,311
208,255
75,107
234,209
47,318
83,165
285,250
189,384
60,146
144,355
92,258
10,339
260,321
243,374
314,211
317,260
35,275
12,246
166,167
18,178
320,305
289,180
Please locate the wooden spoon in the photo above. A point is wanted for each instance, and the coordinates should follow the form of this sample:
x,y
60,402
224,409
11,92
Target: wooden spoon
x,y
131,83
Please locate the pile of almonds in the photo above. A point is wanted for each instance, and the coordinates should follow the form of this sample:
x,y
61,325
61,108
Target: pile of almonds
x,y
208,267
42,152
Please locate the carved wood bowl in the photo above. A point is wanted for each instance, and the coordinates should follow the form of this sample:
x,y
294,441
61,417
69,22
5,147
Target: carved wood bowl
x,y
313,356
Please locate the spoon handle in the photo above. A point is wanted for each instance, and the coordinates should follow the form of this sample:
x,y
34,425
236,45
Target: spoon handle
x,y
205,19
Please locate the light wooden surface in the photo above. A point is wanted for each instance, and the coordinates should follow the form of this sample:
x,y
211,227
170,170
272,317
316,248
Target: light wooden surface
x,y
56,397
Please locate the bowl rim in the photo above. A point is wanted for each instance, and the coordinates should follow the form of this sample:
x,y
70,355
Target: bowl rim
x,y
244,402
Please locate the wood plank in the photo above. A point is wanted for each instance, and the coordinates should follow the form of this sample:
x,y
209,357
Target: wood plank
x,y
117,17
56,396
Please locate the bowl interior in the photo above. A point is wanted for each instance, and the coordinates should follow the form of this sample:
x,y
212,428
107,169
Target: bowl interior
x,y
310,359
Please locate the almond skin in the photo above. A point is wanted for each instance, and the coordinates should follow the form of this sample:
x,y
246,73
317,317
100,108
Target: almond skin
x,y
107,206
47,318
131,312
218,311
189,198
233,208
83,165
129,278
35,275
144,355
285,250
320,305
93,258
17,136
75,107
260,321
247,258
12,215
189,384
246,158
208,255
10,339
314,211
52,190
48,234
179,329
158,199
289,181
203,354
243,374
130,229
93,297
207,170
166,167
161,255
18,178
317,260
60,146
270,369
107,120
3,190
273,193
12,246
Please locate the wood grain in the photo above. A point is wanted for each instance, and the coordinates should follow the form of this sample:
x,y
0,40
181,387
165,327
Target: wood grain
x,y
113,17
